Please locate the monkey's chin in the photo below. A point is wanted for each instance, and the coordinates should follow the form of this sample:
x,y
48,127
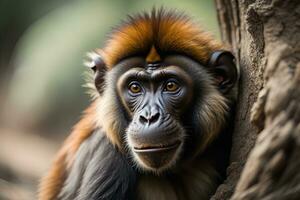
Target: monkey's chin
x,y
158,158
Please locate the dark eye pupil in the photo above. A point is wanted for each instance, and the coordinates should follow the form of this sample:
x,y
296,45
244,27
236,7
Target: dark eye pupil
x,y
134,88
171,86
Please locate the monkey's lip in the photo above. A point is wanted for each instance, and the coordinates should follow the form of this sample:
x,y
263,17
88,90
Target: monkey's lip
x,y
150,149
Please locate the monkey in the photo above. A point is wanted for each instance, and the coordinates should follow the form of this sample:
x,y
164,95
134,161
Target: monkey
x,y
159,126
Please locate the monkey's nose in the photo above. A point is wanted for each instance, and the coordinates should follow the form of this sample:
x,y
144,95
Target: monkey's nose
x,y
149,119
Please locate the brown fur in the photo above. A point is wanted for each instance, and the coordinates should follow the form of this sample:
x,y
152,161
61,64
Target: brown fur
x,y
151,35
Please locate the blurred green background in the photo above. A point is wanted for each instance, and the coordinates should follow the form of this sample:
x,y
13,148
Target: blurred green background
x,y
42,47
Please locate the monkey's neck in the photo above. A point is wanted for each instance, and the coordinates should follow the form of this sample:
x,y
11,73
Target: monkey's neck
x,y
198,180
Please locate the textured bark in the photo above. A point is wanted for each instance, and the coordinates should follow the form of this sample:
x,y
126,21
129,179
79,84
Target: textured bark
x,y
265,37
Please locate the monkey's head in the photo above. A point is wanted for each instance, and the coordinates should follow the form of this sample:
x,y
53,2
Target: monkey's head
x,y
164,89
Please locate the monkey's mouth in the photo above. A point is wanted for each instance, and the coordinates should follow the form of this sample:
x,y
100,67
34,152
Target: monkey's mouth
x,y
157,148
157,157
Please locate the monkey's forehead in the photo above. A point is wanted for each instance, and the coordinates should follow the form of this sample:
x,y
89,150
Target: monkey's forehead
x,y
165,30
140,73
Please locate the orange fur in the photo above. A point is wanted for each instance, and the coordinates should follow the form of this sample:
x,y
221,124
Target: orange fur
x,y
166,31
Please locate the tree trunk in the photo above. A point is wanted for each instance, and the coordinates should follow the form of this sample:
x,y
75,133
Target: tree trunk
x,y
265,37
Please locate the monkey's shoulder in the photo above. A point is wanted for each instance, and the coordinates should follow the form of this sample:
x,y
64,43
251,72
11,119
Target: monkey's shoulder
x,y
99,171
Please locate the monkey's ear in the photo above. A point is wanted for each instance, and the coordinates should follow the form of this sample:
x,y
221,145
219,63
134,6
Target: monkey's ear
x,y
98,65
224,70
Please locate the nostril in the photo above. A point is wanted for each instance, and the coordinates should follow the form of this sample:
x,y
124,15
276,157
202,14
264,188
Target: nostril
x,y
150,119
143,119
154,118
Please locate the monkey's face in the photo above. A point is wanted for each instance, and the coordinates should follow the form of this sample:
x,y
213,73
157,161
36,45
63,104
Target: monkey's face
x,y
164,112
155,99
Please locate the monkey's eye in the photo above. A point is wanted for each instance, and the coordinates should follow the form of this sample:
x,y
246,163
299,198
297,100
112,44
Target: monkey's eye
x,y
171,86
135,88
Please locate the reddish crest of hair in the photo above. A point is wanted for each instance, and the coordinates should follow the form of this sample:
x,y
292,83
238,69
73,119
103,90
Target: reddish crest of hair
x,y
153,56
167,31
